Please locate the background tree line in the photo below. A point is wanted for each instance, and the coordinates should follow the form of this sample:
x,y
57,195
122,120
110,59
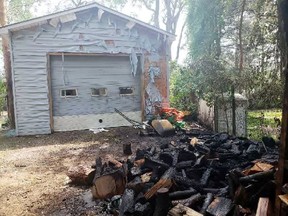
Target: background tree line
x,y
233,46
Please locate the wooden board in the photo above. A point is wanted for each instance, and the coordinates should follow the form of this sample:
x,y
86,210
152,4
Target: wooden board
x,y
284,198
258,167
263,208
180,210
220,206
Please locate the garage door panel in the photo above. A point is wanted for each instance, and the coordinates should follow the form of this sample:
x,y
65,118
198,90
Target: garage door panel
x,y
93,83
74,107
86,72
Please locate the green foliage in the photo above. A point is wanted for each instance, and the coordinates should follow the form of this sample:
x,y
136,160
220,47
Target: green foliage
x,y
181,88
2,95
210,76
214,51
204,22
19,10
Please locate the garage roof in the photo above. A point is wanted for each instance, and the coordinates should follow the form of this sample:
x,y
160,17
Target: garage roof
x,y
44,19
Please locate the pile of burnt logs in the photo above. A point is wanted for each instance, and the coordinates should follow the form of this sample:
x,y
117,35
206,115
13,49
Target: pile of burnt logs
x,y
200,173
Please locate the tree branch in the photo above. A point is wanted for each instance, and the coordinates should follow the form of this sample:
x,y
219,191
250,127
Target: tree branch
x,y
148,6
180,40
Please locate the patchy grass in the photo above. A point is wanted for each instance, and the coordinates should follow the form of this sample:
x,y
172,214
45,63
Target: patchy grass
x,y
261,123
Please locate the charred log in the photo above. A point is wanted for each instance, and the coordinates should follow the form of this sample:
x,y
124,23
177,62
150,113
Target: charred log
x,y
164,182
162,202
178,195
190,201
268,175
207,202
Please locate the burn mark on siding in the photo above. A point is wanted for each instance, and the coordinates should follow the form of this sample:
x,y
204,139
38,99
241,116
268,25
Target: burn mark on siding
x,y
134,62
154,98
154,72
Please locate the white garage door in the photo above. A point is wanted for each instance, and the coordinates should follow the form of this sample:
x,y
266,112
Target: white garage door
x,y
86,89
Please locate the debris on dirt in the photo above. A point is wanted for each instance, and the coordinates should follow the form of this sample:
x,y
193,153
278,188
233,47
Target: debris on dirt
x,y
206,172
173,115
163,127
127,149
99,130
134,123
81,175
108,180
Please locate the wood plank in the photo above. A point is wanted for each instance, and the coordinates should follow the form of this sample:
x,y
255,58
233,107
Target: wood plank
x,y
284,198
181,210
263,208
220,206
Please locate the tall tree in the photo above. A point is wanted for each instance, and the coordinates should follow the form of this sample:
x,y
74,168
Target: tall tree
x,y
241,62
180,40
7,67
19,10
233,46
167,13
282,171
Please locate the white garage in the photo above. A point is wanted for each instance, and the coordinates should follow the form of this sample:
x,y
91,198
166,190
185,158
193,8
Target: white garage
x,y
71,69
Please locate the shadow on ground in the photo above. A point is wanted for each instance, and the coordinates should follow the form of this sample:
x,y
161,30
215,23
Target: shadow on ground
x,y
36,166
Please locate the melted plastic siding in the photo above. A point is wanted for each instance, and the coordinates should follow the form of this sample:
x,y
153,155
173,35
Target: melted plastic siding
x,y
86,34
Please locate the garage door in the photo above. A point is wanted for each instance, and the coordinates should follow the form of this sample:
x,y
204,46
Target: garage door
x,y
86,89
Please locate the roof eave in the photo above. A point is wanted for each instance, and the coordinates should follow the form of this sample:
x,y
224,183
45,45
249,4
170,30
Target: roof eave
x,y
39,21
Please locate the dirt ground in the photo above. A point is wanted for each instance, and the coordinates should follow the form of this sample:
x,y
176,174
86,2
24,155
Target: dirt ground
x,y
33,170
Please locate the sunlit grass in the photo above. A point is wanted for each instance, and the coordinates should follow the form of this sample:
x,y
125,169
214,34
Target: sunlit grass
x,y
257,126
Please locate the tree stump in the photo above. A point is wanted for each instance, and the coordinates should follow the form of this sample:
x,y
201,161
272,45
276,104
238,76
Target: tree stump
x,y
127,149
162,202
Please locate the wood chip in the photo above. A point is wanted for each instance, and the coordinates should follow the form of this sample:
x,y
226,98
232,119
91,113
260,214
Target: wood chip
x,y
180,210
220,206
284,198
146,177
194,141
263,208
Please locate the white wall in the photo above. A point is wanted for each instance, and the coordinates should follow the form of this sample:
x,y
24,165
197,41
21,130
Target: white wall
x,y
206,116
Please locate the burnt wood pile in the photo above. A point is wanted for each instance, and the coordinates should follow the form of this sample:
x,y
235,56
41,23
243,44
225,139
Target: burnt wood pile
x,y
199,172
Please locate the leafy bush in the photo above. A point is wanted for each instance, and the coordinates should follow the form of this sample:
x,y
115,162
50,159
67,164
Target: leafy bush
x,y
182,94
2,95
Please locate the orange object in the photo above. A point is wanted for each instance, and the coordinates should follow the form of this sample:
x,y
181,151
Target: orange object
x,y
169,112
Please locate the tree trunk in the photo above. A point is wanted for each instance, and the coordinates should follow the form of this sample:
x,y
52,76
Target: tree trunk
x,y
127,149
240,37
7,67
162,202
180,40
233,110
156,14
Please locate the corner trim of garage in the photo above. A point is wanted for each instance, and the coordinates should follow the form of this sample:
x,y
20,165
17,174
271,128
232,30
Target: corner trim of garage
x,y
48,65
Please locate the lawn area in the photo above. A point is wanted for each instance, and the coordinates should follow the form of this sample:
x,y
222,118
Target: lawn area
x,y
261,123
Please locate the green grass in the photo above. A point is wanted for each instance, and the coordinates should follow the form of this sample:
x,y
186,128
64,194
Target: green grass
x,y
257,126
